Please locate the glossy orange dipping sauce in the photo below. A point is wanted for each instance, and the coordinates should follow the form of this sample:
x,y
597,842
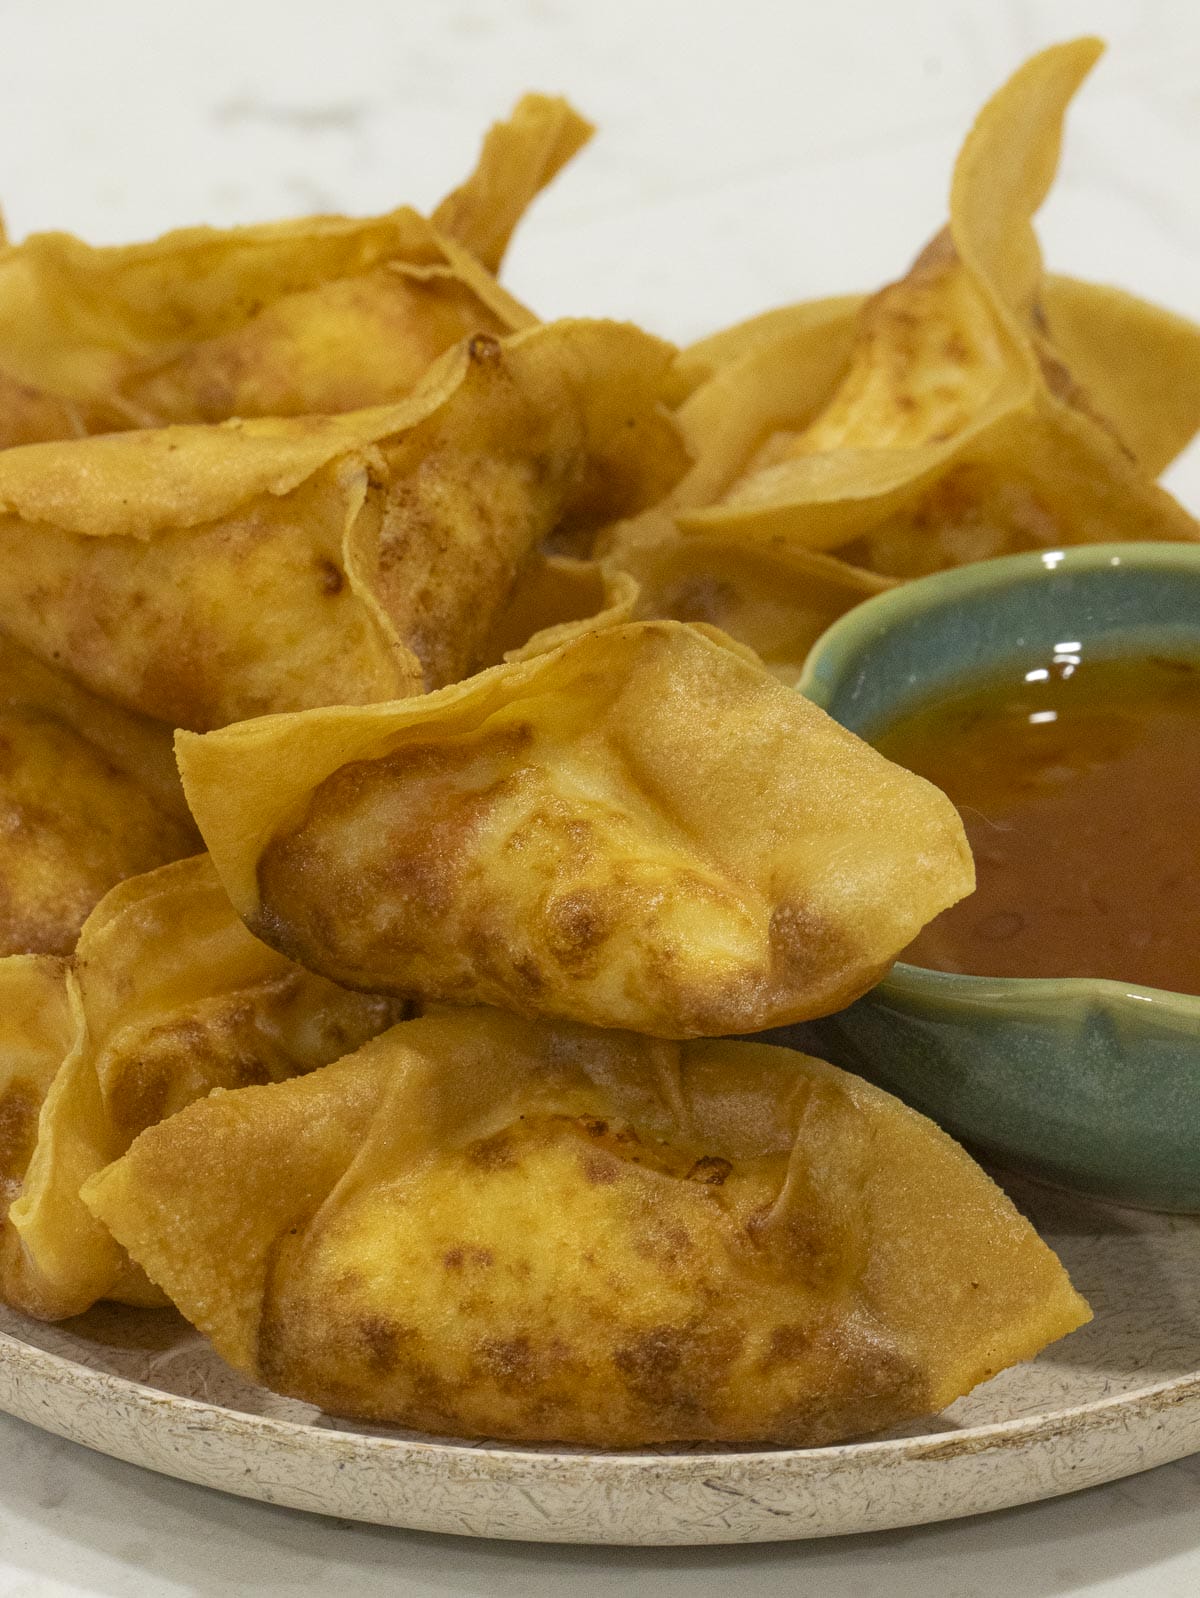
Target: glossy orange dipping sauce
x,y
1079,787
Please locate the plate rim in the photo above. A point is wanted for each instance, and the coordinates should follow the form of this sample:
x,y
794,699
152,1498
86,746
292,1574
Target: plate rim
x,y
975,1439
680,1496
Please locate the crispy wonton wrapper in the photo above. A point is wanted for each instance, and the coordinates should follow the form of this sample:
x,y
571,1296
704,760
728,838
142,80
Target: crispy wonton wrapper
x,y
170,998
519,157
556,598
37,1027
202,575
89,795
773,599
776,600
1138,364
29,414
955,429
488,1227
640,829
325,314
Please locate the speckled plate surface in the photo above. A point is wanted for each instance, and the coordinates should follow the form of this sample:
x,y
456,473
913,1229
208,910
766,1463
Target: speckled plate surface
x,y
1120,1396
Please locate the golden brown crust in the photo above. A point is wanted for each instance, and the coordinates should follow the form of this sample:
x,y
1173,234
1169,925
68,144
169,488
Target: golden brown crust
x,y
36,1029
638,829
88,796
949,429
488,1227
171,999
286,319
202,575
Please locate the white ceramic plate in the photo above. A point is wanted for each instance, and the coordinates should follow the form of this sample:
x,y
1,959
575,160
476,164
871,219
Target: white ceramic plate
x,y
1118,1397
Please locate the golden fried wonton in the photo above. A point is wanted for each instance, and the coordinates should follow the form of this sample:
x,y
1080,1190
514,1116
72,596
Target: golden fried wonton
x,y
519,157
1138,364
954,428
639,829
37,1026
484,1226
325,314
555,598
172,998
775,600
206,574
29,414
89,795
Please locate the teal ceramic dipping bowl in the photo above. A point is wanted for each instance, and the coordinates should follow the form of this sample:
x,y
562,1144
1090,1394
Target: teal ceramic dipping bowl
x,y
1090,1085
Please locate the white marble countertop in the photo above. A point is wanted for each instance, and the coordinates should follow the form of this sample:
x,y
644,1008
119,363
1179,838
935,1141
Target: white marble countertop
x,y
749,154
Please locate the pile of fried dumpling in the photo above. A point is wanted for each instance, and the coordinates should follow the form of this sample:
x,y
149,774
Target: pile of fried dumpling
x,y
408,813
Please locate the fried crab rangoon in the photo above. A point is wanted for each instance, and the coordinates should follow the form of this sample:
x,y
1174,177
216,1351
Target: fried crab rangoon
x,y
324,314
555,598
202,575
37,1027
956,432
89,795
488,1227
775,600
168,998
640,829
974,408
